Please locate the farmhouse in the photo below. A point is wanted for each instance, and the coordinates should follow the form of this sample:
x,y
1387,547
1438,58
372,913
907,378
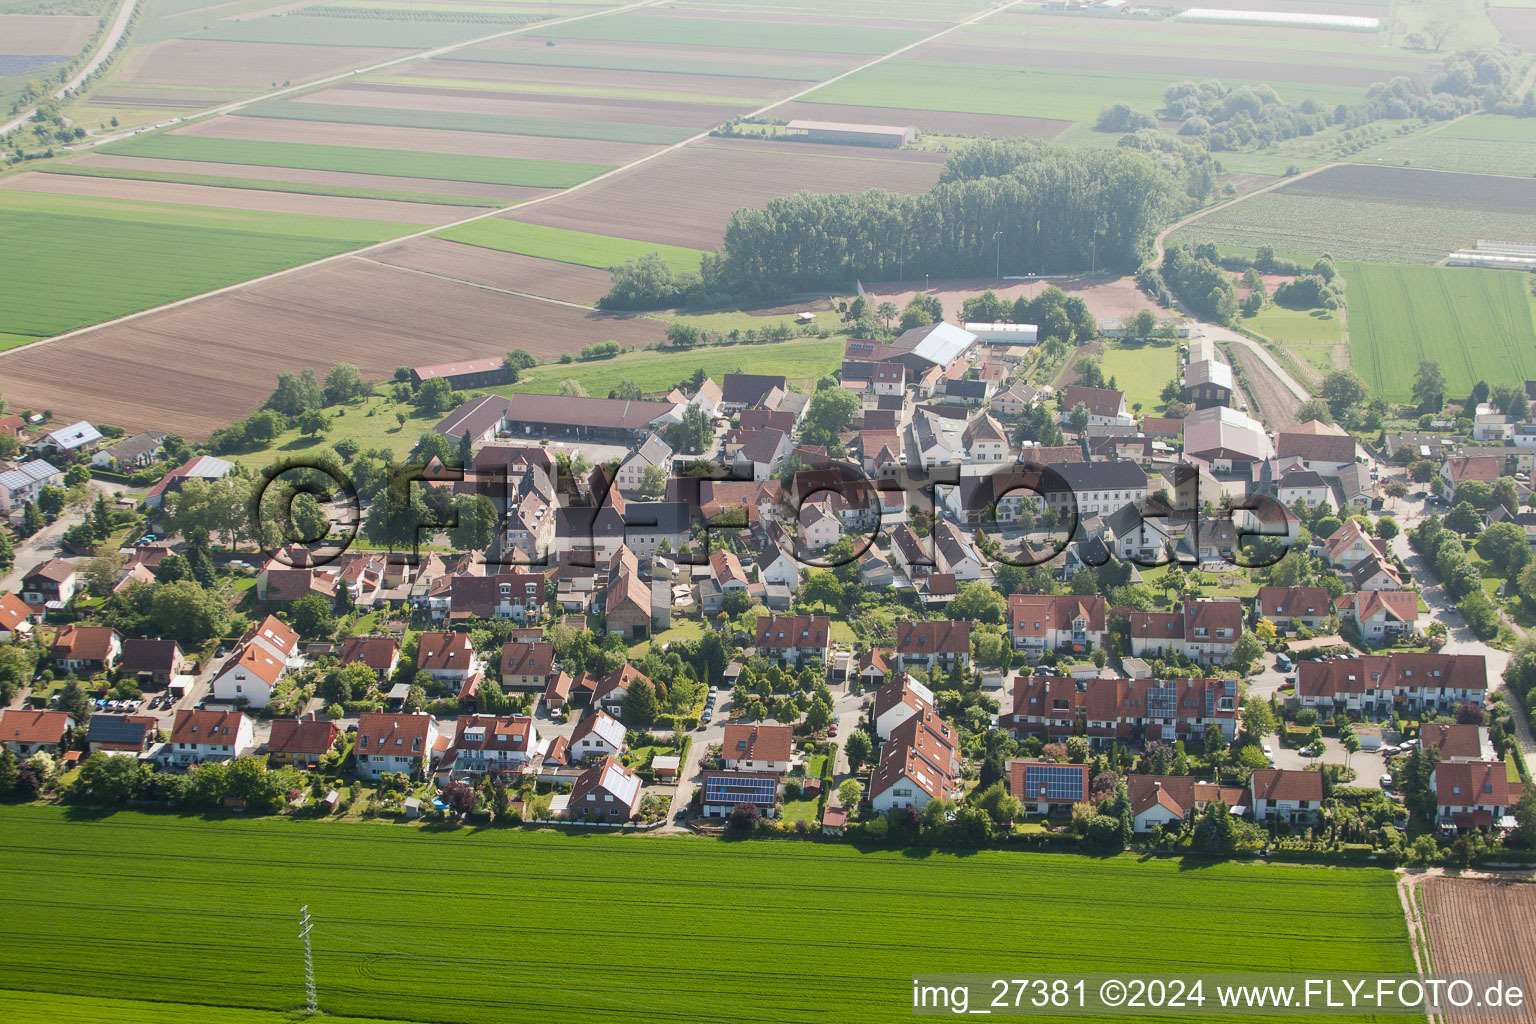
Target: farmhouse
x,y
1225,439
199,467
1325,454
741,391
131,452
470,373
1104,406
839,133
615,420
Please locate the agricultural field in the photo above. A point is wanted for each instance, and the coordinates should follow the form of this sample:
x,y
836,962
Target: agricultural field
x,y
1487,143
615,55
359,160
1478,926
808,34
493,268
381,941
273,185
1475,323
73,260
1314,337
603,252
356,310
1384,214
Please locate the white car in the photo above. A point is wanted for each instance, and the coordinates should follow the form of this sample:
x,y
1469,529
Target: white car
x,y
1386,782
1268,752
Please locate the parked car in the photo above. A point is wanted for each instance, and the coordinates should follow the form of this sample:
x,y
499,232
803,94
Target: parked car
x,y
1268,752
1386,782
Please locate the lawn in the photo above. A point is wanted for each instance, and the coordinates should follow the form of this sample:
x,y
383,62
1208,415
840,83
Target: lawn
x,y
1141,370
1061,94
1473,322
565,246
360,160
371,423
462,926
802,360
71,261
502,124
264,185
1309,335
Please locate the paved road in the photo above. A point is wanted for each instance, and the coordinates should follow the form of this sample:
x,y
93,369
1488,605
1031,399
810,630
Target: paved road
x,y
45,543
1218,333
103,54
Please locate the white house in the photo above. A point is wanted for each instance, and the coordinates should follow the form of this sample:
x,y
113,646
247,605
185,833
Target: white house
x,y
654,453
1285,794
208,735
599,734
395,743
259,661
897,701
23,484
759,748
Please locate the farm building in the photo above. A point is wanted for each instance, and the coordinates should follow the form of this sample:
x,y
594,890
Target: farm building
x,y
839,133
1208,383
469,373
614,419
1005,334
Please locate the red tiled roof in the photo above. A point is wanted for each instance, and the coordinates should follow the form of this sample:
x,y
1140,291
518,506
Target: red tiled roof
x,y
1287,784
945,636
28,726
301,736
206,726
758,742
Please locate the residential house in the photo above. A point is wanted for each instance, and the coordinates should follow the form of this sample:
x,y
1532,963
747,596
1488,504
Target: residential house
x,y
1093,488
1291,608
1473,794
1203,631
151,663
723,791
379,653
1456,743
491,743
398,743
25,731
872,669
526,666
1053,622
794,639
606,792
1380,614
15,618
449,658
23,483
1046,787
1305,486
258,662
598,734
985,440
50,585
627,603
653,454
1457,470
1325,454
300,742
123,735
1348,545
1375,573
945,643
918,763
652,527
1013,400
1104,405
755,747
1171,800
1374,685
1286,795
131,452
200,735
77,437
610,691
1124,711
87,650
897,701
741,391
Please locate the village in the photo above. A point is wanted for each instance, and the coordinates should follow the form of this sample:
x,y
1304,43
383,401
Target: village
x,y
738,606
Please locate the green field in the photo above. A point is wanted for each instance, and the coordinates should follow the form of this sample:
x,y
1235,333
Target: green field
x,y
501,124
1061,94
803,361
565,246
360,160
71,261
1483,143
304,188
569,58
1141,371
1310,335
748,35
473,925
1475,323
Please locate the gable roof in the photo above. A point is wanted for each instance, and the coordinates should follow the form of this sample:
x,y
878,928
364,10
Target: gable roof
x,y
1471,784
120,732
301,736
145,655
377,652
207,726
779,632
611,777
1287,784
519,658
24,725
400,734
754,742
1287,602
1454,741
84,643
603,725
750,389
1315,447
944,636
442,651
1099,401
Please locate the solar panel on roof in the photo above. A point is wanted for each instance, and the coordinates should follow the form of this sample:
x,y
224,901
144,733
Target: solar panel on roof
x,y
719,789
1162,702
1061,782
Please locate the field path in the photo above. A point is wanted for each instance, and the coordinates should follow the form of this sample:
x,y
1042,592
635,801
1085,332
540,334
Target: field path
x,y
103,53
622,169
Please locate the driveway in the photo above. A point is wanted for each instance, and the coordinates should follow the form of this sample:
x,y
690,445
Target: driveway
x,y
1369,766
45,543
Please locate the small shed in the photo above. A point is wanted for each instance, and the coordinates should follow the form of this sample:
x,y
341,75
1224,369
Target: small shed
x,y
412,807
666,766
329,804
833,821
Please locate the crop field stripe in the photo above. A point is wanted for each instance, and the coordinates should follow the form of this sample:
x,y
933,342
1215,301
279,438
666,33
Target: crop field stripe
x,y
360,160
264,185
565,246
497,124
539,90
230,889
623,62
800,360
138,255
748,35
1467,319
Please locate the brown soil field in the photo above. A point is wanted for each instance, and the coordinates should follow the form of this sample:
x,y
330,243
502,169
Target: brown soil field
x,y
797,18
421,140
1410,186
758,60
507,270
1517,23
1001,125
686,197
697,116
822,149
1245,182
267,12
51,35
1149,62
1481,926
1277,406
173,101
1105,297
237,198
765,89
198,367
510,193
228,65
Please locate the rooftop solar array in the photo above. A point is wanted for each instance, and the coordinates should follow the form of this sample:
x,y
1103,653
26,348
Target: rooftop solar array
x,y
724,789
1061,782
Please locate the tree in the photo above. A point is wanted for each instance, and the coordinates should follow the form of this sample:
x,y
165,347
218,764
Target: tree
x,y
461,797
850,793
1077,419
477,520
344,382
819,716
1344,391
859,748
311,617
978,602
105,779
743,819
1463,518
640,705
1215,832
295,393
1429,386
1246,651
1350,742
886,312
51,501
1506,549
1523,836
653,483
1314,409
345,683
828,414
187,613
436,396
821,587
571,388
1141,324
1258,718
1387,528
32,519
628,390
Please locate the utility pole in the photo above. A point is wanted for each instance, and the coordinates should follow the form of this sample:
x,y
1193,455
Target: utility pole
x,y
311,1004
